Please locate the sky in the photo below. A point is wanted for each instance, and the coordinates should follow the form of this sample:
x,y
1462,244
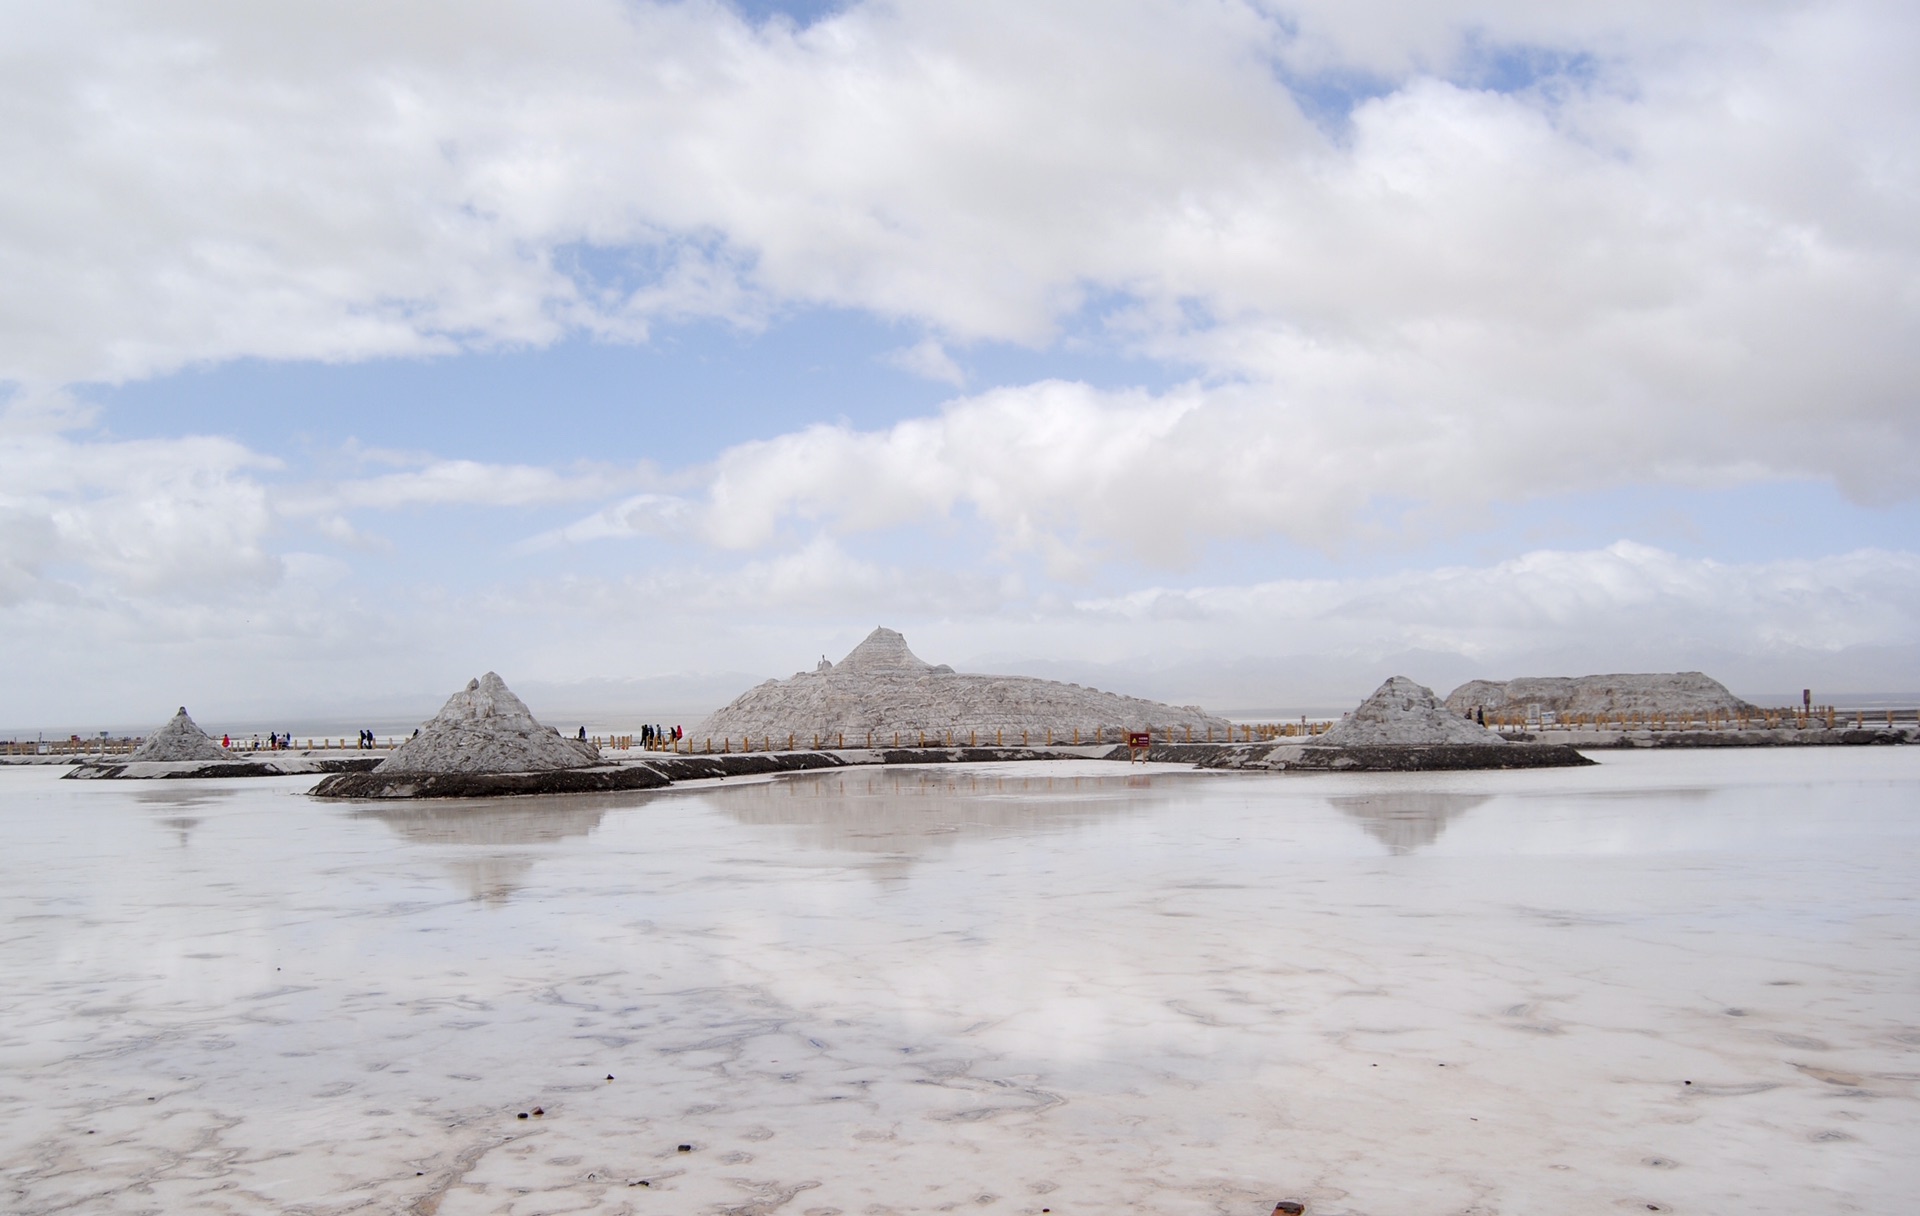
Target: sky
x,y
1237,352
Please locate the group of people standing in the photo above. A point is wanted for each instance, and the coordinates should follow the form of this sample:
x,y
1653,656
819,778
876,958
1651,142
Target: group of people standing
x,y
275,742
284,742
661,735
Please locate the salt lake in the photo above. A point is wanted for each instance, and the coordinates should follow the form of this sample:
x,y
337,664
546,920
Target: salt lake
x,y
1680,982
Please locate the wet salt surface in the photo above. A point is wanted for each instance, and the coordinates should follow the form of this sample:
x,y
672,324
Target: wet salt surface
x,y
1677,982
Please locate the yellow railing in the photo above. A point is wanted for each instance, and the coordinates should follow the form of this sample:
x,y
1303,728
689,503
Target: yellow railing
x,y
975,737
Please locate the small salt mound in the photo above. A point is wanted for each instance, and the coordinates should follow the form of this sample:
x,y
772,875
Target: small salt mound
x,y
179,739
484,728
1402,713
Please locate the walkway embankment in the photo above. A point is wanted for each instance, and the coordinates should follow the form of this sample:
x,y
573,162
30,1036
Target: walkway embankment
x,y
1809,736
262,764
659,770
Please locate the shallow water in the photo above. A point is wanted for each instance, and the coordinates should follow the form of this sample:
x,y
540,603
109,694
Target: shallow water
x,y
1682,982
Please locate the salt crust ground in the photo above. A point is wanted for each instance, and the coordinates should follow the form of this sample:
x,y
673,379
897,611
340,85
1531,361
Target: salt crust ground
x,y
1373,995
882,687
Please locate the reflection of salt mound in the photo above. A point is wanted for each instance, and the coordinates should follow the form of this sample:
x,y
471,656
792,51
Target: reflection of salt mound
x,y
484,728
1403,713
882,688
1406,820
1671,693
179,739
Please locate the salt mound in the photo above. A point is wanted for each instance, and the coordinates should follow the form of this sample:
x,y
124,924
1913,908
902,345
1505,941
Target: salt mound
x,y
1670,693
1403,713
180,739
882,688
484,728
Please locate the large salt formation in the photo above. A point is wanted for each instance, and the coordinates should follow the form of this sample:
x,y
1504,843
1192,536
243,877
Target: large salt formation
x,y
484,728
882,689
179,739
1402,713
1670,693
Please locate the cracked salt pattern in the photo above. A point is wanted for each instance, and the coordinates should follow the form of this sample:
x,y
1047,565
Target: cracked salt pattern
x,y
1003,987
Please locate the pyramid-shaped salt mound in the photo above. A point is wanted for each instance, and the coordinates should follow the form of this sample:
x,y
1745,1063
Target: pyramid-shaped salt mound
x,y
179,739
882,689
484,728
1404,714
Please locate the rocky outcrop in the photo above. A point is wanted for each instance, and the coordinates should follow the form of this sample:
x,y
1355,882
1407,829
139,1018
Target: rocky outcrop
x,y
484,728
1669,693
1402,713
179,739
882,687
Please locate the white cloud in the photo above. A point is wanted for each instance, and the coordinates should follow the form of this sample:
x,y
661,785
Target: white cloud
x,y
930,360
1054,467
1688,253
441,483
659,516
1692,254
1614,599
182,517
322,635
